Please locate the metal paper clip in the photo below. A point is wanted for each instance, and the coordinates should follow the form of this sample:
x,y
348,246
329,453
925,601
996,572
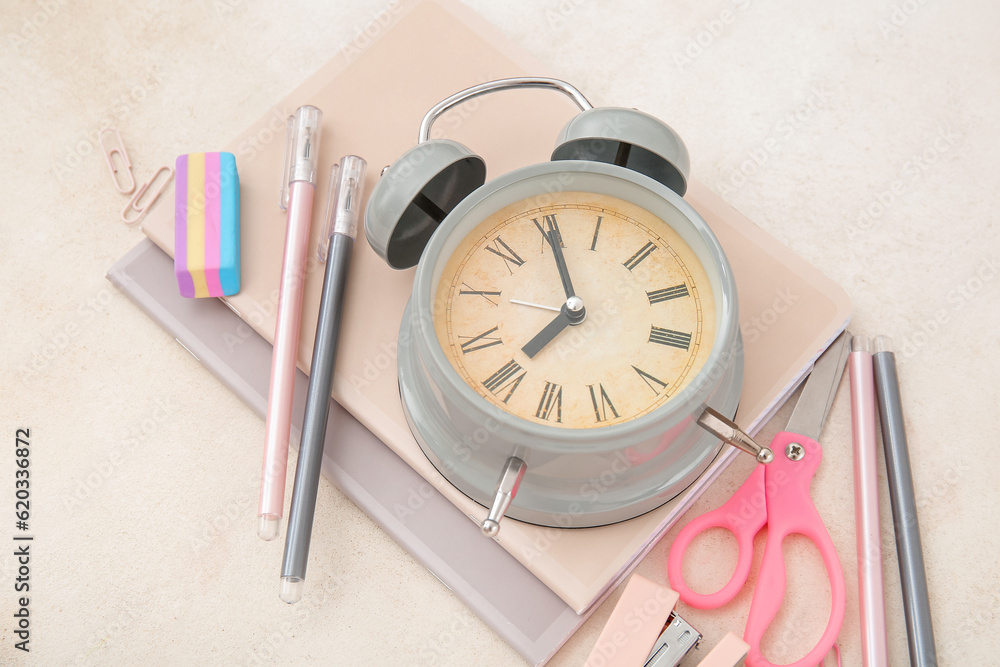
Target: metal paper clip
x,y
122,155
132,204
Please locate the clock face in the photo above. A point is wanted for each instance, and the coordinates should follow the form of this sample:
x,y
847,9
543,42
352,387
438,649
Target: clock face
x,y
504,320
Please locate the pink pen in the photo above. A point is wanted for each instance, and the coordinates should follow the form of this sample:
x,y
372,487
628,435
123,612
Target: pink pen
x,y
301,158
869,535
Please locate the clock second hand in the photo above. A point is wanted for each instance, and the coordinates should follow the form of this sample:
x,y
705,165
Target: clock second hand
x,y
535,305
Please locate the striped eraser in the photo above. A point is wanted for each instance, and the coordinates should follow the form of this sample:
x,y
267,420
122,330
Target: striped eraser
x,y
207,225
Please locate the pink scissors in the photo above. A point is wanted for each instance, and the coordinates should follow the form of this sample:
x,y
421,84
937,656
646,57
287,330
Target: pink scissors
x,y
776,495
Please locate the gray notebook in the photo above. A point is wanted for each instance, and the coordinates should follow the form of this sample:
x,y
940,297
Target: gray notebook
x,y
505,595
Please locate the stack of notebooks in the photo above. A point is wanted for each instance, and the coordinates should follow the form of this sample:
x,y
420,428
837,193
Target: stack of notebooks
x,y
534,586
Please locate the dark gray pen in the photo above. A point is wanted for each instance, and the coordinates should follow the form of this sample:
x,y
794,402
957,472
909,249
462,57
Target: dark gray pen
x,y
342,214
916,604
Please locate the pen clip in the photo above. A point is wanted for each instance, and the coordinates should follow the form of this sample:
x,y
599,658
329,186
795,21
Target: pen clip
x,y
323,247
132,204
109,155
283,192
343,203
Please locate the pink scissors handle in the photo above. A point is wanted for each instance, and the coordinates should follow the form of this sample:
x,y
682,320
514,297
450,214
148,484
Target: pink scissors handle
x,y
743,515
791,511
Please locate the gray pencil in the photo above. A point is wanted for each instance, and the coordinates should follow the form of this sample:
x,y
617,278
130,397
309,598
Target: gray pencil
x,y
346,181
916,605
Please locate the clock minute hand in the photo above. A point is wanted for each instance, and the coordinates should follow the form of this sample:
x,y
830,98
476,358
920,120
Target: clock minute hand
x,y
555,241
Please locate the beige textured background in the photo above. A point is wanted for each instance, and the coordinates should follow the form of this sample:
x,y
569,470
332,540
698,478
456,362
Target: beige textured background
x,y
863,135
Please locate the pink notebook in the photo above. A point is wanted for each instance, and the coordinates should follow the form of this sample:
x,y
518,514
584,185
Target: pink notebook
x,y
391,84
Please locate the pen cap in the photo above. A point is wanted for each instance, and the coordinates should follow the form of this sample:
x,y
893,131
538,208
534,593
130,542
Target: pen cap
x,y
301,148
343,204
882,344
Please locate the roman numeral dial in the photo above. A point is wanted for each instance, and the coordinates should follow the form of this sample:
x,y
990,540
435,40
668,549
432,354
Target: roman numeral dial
x,y
647,327
505,381
510,258
640,256
654,383
480,341
669,337
602,403
543,225
667,294
550,405
491,297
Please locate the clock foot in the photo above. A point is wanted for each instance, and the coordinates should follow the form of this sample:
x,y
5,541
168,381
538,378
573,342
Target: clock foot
x,y
510,480
727,431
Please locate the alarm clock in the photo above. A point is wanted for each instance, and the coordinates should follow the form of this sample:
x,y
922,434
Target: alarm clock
x,y
569,321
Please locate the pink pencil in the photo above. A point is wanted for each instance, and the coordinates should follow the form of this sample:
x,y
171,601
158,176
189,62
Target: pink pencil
x,y
869,534
301,158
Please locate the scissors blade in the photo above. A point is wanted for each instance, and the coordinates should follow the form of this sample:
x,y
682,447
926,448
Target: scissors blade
x,y
817,395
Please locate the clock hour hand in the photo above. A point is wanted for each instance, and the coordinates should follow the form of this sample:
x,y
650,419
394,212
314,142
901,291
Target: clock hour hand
x,y
545,336
572,312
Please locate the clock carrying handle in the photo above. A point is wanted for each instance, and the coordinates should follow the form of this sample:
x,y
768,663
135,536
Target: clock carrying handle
x,y
493,86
